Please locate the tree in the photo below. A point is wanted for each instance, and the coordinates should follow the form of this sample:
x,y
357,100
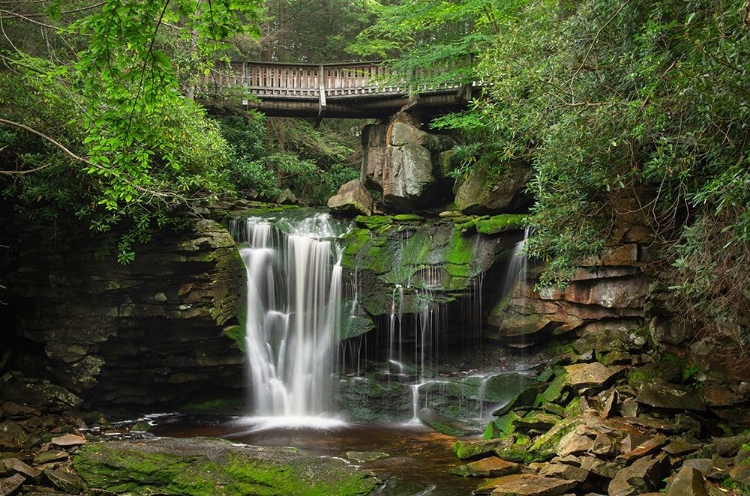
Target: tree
x,y
612,98
93,119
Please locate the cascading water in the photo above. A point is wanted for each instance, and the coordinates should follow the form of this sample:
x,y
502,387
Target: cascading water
x,y
293,312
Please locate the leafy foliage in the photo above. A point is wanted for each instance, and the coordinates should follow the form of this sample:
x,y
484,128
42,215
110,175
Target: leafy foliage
x,y
608,97
106,131
610,101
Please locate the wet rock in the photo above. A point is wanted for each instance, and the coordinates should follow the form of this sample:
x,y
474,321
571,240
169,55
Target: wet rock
x,y
446,425
365,456
487,467
537,421
9,485
644,475
688,482
524,399
65,481
352,199
467,450
661,394
531,485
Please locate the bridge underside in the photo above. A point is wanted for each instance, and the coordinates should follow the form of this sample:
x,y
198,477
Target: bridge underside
x,y
365,106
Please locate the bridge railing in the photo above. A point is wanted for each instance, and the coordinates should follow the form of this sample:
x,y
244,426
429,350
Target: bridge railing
x,y
311,81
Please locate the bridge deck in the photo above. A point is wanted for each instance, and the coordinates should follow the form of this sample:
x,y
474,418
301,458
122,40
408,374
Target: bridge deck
x,y
360,90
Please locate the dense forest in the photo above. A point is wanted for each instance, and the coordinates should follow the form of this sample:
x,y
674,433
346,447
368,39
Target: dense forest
x,y
100,118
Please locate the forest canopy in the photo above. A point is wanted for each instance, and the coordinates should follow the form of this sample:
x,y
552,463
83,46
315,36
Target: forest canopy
x,y
607,99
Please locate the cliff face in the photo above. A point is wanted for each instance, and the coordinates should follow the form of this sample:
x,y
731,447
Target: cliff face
x,y
152,332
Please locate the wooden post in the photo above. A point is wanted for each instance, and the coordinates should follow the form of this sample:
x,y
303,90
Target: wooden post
x,y
321,96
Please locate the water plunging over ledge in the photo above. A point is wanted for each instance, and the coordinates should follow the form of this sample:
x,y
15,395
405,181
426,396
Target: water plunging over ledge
x,y
293,311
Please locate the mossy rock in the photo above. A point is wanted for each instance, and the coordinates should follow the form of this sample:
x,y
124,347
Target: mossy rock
x,y
197,466
493,225
545,446
473,450
408,218
236,333
374,221
445,424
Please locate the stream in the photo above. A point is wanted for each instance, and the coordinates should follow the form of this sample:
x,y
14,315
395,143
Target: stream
x,y
417,461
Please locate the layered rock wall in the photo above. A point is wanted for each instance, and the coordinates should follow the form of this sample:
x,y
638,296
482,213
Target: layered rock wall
x,y
151,332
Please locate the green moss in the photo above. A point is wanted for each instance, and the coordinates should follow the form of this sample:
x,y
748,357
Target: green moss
x,y
407,218
206,467
237,333
545,445
500,223
373,222
641,375
468,450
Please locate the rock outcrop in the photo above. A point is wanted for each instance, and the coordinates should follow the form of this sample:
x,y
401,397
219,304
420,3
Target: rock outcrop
x,y
151,332
477,194
352,199
404,163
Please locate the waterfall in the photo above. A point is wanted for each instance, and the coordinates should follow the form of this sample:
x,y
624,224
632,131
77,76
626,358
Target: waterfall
x,y
293,312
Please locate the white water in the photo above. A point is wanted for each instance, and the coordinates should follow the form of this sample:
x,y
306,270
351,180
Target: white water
x,y
293,315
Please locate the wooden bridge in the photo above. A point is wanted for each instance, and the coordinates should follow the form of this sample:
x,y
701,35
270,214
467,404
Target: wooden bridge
x,y
357,90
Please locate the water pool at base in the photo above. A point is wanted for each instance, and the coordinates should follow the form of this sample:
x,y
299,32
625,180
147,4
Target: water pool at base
x,y
417,461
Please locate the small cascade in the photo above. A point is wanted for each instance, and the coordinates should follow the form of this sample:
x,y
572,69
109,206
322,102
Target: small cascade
x,y
293,312
518,264
414,404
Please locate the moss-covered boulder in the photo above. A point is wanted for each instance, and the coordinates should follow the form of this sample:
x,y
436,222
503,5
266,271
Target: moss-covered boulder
x,y
199,466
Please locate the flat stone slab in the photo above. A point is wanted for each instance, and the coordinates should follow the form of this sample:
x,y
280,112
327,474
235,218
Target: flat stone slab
x,y
531,485
68,440
487,467
182,466
584,375
50,456
660,394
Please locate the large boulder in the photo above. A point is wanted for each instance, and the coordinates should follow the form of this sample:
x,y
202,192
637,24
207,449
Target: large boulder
x,y
404,163
352,198
481,192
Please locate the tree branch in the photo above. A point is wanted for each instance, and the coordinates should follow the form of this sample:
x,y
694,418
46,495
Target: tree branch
x,y
45,137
